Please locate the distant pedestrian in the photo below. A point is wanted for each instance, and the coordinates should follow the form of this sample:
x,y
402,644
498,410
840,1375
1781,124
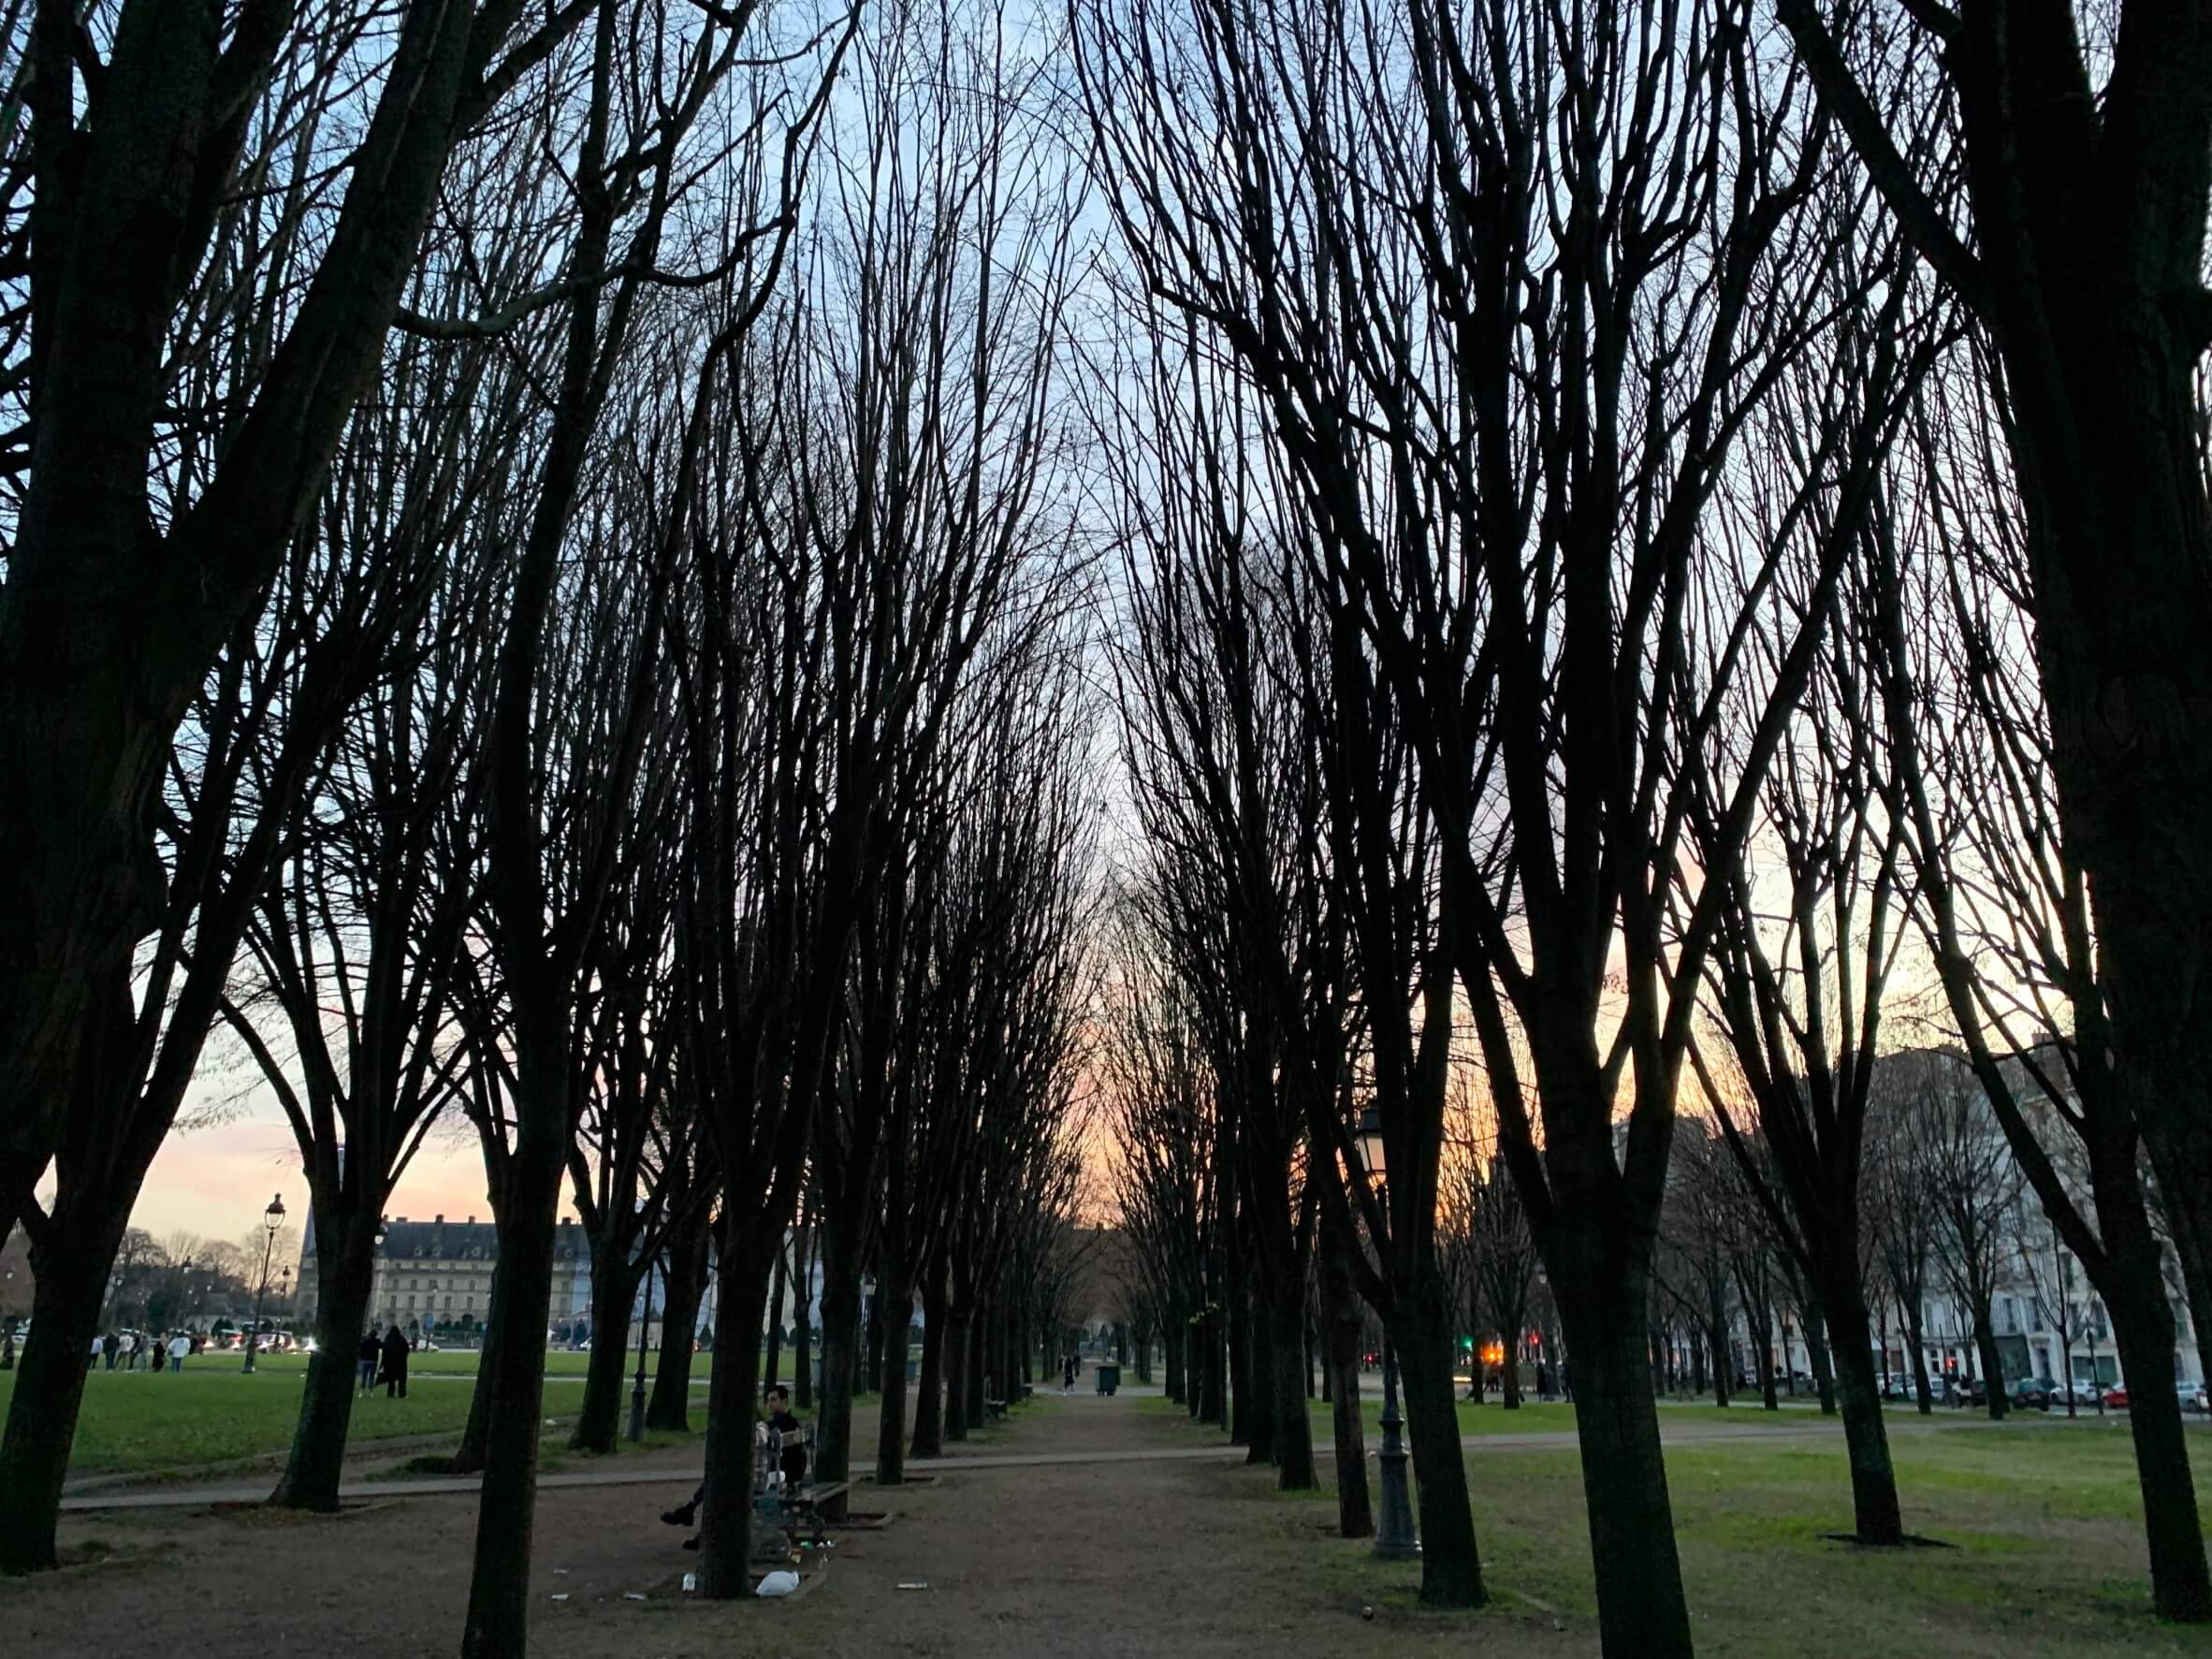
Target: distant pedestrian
x,y
180,1345
130,1351
395,1364
1067,1374
108,1344
366,1355
160,1349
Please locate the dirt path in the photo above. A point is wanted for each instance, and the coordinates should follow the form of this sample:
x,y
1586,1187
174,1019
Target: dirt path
x,y
1116,1557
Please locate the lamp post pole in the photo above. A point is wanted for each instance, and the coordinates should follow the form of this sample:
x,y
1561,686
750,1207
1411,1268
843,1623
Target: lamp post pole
x,y
638,1393
1394,1539
271,1218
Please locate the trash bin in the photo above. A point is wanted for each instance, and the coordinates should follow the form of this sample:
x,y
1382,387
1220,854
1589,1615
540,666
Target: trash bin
x,y
1109,1377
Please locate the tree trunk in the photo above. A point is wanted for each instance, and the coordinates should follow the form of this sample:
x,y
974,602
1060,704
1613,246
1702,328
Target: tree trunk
x,y
1293,1430
1212,1372
1341,1320
310,1476
1451,1564
725,1513
959,1347
1264,1363
978,1344
1875,1515
70,1276
606,1371
840,1356
2143,1332
1816,1345
497,1624
684,1288
475,1442
893,1305
1921,1391
1641,1606
929,1385
1240,1368
1993,1367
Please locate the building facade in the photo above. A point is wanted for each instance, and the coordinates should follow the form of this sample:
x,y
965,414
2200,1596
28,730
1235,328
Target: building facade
x,y
435,1276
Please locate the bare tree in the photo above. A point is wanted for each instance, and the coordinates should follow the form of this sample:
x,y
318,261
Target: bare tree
x,y
1693,1269
1508,285
1504,1266
2011,912
355,935
198,319
1899,1217
1798,974
1971,1183
881,516
251,744
2048,160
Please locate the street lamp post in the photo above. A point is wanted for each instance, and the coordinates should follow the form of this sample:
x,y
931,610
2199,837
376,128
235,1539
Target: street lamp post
x,y
638,1393
1394,1539
271,1218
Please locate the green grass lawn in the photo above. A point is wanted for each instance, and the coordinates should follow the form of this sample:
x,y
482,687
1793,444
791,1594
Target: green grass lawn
x,y
142,1423
1539,1416
136,1422
2041,1523
560,1363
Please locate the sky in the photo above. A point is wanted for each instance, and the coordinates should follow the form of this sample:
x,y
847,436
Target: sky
x,y
216,1180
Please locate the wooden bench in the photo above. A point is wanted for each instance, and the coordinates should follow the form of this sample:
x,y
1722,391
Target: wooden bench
x,y
995,1409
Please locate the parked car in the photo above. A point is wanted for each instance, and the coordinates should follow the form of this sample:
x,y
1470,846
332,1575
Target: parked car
x,y
2033,1393
2198,1401
2116,1399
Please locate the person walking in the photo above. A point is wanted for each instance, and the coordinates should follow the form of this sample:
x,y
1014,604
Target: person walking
x,y
366,1356
161,1351
180,1345
105,1344
129,1346
395,1364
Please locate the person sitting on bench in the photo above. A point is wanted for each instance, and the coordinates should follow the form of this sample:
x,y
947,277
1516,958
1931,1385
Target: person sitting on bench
x,y
781,1426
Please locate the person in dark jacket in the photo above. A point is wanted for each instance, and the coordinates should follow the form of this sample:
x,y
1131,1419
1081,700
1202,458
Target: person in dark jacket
x,y
395,1364
783,1430
365,1359
792,1433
